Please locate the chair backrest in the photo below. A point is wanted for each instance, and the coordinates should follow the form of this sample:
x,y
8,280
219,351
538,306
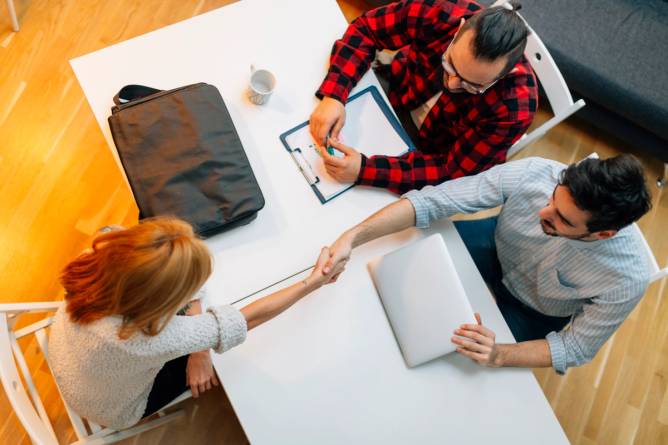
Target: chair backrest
x,y
546,70
26,401
655,272
553,84
24,398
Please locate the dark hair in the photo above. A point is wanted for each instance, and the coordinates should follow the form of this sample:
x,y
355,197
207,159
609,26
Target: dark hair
x,y
612,190
499,32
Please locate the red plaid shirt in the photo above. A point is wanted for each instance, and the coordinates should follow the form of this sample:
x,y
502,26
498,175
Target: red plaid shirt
x,y
463,134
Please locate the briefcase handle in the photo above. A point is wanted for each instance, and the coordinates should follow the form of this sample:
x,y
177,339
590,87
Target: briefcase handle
x,y
133,92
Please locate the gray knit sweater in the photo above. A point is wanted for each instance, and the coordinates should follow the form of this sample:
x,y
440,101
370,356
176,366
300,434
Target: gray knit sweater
x,y
108,380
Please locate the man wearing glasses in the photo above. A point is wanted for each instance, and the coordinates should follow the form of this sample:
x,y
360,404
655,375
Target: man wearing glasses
x,y
458,82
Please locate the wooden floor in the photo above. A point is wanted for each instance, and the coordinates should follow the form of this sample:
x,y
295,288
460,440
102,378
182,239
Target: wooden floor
x,y
59,183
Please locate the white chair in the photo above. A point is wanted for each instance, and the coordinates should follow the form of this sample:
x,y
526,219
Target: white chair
x,y
655,272
553,84
27,404
12,15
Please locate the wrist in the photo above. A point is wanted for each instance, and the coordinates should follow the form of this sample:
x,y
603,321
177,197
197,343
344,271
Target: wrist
x,y
498,360
352,236
308,285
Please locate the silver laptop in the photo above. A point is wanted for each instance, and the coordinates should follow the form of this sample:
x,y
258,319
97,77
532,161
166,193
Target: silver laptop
x,y
423,298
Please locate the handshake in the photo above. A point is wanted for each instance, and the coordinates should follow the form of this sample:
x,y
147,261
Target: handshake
x,y
331,262
393,218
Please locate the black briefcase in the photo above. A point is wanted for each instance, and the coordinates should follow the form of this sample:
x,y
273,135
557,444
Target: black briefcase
x,y
183,157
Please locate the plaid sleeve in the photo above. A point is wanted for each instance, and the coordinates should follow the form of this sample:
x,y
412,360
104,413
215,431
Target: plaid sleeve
x,y
475,151
388,27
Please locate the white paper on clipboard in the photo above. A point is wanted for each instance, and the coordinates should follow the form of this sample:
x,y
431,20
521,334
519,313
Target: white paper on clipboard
x,y
367,129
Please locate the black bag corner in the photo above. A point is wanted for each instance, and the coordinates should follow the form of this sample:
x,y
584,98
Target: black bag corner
x,y
183,157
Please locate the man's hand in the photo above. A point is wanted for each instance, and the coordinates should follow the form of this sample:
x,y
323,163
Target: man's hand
x,y
319,276
327,119
200,375
345,169
339,254
480,344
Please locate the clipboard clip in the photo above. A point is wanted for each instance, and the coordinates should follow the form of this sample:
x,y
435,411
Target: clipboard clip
x,y
304,166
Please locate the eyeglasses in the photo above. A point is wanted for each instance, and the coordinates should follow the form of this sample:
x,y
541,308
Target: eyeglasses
x,y
450,70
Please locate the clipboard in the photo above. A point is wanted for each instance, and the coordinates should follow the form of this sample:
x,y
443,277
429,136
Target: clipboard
x,y
371,127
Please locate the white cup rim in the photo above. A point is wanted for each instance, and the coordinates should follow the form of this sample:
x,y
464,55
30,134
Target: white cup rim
x,y
271,79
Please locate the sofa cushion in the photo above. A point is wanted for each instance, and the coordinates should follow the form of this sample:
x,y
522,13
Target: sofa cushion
x,y
614,52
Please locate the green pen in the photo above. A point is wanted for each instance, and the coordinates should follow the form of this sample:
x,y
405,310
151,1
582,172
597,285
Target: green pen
x,y
331,150
328,147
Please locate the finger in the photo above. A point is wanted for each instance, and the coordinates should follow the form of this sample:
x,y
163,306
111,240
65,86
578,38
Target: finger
x,y
342,148
477,317
322,258
333,170
337,127
333,161
208,385
326,130
201,388
475,356
214,380
469,345
313,128
333,261
315,125
475,336
479,328
336,277
193,389
322,129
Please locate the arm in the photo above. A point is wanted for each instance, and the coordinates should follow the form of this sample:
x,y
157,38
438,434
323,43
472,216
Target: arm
x,y
575,345
270,306
464,195
200,375
478,343
582,338
223,327
393,218
389,27
476,150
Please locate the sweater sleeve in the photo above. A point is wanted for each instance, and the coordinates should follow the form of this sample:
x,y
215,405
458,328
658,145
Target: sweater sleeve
x,y
220,328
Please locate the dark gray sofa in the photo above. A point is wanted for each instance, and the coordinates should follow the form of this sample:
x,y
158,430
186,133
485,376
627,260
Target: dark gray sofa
x,y
614,54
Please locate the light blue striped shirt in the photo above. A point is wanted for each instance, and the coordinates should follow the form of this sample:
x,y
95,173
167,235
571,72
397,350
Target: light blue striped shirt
x,y
598,283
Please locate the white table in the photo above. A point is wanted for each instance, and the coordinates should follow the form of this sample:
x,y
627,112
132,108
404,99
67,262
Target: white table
x,y
269,34
328,370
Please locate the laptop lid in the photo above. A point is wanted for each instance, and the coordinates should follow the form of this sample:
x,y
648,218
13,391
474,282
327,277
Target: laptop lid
x,y
423,298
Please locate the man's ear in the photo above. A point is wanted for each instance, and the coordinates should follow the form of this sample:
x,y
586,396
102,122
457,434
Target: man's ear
x,y
461,22
605,234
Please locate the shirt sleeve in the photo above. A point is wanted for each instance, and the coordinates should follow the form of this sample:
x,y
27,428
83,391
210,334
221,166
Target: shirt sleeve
x,y
582,338
476,150
470,194
388,27
220,328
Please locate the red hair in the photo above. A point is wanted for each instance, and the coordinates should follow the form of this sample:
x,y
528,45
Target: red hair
x,y
144,274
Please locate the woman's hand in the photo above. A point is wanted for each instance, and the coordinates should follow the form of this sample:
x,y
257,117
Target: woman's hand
x,y
200,375
318,277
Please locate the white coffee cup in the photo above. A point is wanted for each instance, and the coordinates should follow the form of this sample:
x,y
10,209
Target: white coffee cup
x,y
262,84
